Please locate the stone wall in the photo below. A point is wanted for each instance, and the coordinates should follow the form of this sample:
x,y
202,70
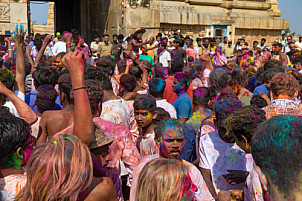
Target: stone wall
x,y
198,18
12,12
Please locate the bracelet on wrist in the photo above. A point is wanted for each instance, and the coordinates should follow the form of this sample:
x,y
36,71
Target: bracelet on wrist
x,y
79,88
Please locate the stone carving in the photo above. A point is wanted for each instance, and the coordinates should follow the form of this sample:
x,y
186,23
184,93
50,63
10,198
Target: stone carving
x,y
4,12
137,3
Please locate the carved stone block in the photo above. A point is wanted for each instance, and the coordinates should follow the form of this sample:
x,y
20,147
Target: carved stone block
x,y
4,12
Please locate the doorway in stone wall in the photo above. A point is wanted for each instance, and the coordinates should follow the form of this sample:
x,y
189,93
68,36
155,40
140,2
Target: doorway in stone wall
x,y
220,32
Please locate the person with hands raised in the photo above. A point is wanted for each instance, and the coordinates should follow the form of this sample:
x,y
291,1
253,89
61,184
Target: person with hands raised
x,y
83,126
9,47
47,40
22,108
16,82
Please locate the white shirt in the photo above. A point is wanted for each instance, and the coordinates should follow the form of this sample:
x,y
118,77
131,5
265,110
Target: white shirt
x,y
286,48
168,107
59,47
116,111
299,44
164,58
219,156
11,106
206,74
95,46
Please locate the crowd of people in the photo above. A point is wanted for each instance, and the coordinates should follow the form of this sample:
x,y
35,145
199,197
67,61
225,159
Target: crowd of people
x,y
168,118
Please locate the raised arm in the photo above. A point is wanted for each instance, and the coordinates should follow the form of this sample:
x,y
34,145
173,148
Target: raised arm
x,y
68,37
139,44
30,59
25,112
9,47
137,62
20,61
83,126
47,40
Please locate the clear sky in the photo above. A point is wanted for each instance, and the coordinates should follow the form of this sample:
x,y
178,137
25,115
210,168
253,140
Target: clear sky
x,y
39,11
291,10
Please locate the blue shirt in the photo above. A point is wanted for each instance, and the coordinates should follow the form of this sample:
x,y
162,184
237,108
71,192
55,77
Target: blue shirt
x,y
31,97
191,128
262,88
183,106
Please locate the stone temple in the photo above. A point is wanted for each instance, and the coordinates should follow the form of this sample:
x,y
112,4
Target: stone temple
x,y
253,19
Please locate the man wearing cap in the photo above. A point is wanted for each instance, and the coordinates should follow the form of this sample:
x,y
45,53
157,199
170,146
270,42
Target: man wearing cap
x,y
94,46
115,152
137,41
105,48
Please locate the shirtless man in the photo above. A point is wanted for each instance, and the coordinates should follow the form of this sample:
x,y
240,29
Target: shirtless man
x,y
55,121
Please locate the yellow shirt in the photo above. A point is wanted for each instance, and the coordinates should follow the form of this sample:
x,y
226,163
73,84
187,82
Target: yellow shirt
x,y
105,49
151,52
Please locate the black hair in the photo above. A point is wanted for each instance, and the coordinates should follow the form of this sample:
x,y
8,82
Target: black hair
x,y
270,73
14,133
145,102
136,72
201,96
258,101
114,35
46,98
189,44
276,149
253,82
38,43
238,76
214,78
9,63
255,42
272,64
162,115
128,82
121,65
225,80
120,37
198,39
105,35
157,87
65,86
7,78
95,93
279,45
224,107
244,121
180,42
263,39
106,65
93,73
96,36
177,65
45,76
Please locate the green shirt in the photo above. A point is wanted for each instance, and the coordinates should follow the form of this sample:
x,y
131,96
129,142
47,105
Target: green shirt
x,y
147,58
